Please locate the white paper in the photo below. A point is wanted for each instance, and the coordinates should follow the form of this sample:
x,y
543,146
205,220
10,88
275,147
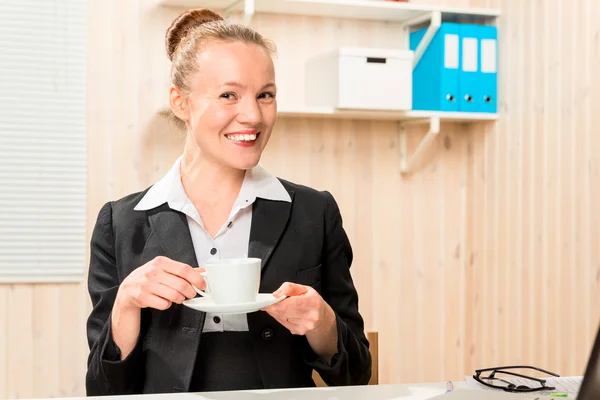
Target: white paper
x,y
450,51
488,55
566,384
469,51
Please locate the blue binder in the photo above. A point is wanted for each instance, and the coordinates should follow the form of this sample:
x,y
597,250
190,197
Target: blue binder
x,y
488,67
436,75
469,86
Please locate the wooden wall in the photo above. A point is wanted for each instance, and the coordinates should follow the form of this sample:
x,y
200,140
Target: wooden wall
x,y
489,254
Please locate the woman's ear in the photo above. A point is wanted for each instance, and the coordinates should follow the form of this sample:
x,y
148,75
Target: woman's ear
x,y
178,103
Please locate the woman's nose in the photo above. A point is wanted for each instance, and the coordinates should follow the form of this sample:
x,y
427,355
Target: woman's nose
x,y
250,113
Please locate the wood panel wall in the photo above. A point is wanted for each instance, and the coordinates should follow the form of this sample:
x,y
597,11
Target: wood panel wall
x,y
488,254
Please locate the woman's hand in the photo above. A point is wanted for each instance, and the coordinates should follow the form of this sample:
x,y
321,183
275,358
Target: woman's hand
x,y
158,284
305,312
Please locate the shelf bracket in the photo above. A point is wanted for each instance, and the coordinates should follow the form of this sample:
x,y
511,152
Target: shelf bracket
x,y
435,21
407,164
249,8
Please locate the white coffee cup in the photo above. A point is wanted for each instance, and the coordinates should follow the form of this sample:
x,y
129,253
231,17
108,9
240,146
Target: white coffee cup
x,y
232,281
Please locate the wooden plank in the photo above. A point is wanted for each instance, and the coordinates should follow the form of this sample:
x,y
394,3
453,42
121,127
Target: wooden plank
x,y
570,81
71,344
386,262
347,178
587,219
4,343
532,108
515,206
475,293
20,342
594,183
45,337
504,201
453,160
553,159
427,229
363,214
297,145
541,129
411,276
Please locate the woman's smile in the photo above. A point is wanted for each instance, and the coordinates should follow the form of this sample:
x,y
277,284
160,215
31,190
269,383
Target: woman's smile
x,y
245,138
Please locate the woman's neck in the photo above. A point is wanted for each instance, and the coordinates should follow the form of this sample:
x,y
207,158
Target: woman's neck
x,y
209,183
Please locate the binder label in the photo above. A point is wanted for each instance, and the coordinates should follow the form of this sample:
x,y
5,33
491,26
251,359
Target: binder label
x,y
488,55
469,61
451,51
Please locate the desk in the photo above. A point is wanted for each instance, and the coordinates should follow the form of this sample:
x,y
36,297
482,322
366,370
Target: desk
x,y
375,392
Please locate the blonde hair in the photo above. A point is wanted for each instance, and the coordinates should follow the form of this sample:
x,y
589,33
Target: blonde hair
x,y
194,29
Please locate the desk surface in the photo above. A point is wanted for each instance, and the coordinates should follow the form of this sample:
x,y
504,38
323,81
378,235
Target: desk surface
x,y
423,391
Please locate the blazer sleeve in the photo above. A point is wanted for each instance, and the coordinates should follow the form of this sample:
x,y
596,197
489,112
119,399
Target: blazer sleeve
x,y
351,365
107,374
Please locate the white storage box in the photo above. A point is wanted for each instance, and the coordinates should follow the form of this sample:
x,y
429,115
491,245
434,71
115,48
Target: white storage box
x,y
360,78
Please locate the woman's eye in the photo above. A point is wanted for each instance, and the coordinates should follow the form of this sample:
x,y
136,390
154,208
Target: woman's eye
x,y
228,96
267,95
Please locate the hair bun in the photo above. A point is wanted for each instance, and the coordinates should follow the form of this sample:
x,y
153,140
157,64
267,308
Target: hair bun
x,y
184,24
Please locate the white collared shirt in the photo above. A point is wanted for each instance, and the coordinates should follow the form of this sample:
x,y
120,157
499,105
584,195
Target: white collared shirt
x,y
232,239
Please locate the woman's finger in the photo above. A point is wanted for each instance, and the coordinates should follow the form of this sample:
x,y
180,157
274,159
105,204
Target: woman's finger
x,y
166,292
177,283
151,300
294,307
290,289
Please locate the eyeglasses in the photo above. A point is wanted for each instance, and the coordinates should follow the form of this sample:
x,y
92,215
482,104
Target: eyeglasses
x,y
526,384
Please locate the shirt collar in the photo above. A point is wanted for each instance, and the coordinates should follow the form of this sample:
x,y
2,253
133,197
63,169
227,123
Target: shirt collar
x,y
258,183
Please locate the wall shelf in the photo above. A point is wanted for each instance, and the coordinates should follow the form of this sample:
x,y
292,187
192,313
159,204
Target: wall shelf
x,y
380,10
399,116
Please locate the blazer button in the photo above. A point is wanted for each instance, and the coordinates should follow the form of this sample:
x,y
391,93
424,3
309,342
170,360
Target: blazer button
x,y
267,334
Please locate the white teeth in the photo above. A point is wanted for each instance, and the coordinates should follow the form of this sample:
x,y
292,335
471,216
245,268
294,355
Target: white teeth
x,y
242,138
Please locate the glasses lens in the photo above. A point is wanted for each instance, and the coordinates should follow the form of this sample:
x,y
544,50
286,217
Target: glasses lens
x,y
501,383
504,380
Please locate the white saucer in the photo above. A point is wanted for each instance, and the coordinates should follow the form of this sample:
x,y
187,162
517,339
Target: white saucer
x,y
207,304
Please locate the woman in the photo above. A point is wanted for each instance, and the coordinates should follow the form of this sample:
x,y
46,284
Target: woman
x,y
216,202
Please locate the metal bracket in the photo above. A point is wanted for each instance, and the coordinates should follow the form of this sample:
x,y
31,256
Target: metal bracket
x,y
249,9
435,21
406,163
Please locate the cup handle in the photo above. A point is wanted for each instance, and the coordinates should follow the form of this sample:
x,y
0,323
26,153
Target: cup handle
x,y
202,292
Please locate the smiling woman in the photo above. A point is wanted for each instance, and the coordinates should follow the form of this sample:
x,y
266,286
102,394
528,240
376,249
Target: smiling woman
x,y
215,100
217,203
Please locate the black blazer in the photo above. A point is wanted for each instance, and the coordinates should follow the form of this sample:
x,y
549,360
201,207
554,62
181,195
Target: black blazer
x,y
302,241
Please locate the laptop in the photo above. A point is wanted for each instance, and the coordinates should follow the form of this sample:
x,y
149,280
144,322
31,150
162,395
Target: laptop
x,y
590,386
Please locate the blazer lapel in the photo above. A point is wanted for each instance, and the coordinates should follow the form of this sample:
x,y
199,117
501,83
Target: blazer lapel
x,y
182,325
172,229
269,219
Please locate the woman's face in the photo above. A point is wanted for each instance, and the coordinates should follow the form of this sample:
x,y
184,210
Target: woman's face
x,y
231,108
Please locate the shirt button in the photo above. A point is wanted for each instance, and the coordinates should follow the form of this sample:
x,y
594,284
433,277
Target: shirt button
x,y
216,320
267,334
213,251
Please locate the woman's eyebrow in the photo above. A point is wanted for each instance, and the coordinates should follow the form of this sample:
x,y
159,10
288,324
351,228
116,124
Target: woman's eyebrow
x,y
242,86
